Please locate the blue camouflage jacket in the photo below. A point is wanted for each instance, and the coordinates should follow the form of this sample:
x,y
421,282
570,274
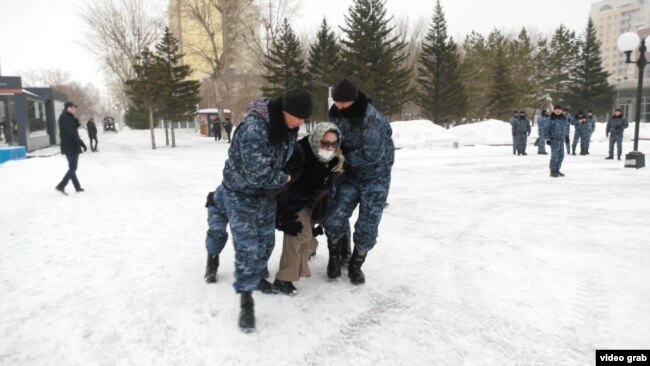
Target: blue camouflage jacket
x,y
366,142
557,128
254,164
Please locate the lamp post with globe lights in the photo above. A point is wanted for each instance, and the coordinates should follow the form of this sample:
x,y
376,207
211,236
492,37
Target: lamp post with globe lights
x,y
627,43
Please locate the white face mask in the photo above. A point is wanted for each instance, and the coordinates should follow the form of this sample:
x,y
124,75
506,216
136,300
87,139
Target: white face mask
x,y
325,155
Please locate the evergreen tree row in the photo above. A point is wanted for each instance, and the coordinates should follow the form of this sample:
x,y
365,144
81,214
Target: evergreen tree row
x,y
478,78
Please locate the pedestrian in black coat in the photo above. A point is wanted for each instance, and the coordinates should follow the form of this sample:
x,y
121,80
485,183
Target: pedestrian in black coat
x,y
71,146
92,133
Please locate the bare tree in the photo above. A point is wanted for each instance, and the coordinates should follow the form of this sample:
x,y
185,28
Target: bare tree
x,y
261,33
412,34
85,96
117,31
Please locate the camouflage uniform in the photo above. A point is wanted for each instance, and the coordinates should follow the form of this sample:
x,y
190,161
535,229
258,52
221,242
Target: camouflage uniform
x,y
254,167
369,155
520,132
556,131
615,128
591,122
581,132
542,122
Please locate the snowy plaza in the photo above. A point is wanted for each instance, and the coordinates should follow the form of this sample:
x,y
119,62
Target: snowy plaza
x,y
482,259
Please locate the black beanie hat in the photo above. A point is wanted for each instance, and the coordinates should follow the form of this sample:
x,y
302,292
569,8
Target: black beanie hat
x,y
345,91
557,106
297,102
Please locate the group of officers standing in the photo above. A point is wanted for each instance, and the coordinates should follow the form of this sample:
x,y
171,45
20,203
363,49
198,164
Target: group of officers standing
x,y
554,130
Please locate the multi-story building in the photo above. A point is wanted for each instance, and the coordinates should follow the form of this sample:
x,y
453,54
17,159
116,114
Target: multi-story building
x,y
220,46
613,18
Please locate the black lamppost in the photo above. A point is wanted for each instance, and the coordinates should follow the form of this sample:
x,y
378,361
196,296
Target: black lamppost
x,y
627,42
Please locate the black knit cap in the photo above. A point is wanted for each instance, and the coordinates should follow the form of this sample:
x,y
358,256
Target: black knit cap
x,y
297,102
557,106
345,91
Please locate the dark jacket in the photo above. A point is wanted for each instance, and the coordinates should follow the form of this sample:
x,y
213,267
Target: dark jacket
x,y
71,143
311,189
557,127
92,129
616,125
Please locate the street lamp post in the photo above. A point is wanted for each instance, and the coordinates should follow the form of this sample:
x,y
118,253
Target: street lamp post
x,y
627,42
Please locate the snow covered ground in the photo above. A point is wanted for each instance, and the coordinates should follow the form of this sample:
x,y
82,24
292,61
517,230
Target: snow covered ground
x,y
483,259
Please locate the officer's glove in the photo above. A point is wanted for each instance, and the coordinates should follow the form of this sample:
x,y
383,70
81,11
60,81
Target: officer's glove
x,y
289,224
209,202
316,231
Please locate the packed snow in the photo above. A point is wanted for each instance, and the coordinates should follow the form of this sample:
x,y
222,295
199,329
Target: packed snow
x,y
482,259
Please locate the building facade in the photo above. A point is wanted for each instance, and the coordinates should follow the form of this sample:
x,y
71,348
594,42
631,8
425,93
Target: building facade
x,y
613,18
230,34
28,116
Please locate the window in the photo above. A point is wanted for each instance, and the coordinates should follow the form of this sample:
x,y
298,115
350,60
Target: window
x,y
645,109
8,121
36,117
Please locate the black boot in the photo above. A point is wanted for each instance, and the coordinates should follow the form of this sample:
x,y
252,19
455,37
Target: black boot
x,y
334,264
345,251
609,158
619,157
266,287
573,150
354,268
286,287
554,174
211,269
247,313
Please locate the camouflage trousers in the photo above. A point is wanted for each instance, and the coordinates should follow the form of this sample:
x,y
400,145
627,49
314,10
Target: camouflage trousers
x,y
557,155
371,199
615,139
520,143
252,225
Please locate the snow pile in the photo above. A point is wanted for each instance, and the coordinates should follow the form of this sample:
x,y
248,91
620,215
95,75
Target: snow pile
x,y
490,132
422,134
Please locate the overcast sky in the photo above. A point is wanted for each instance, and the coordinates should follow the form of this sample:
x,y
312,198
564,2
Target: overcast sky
x,y
41,34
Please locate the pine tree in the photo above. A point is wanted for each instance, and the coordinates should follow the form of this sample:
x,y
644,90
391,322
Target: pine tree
x,y
563,56
374,56
501,95
180,94
145,94
324,64
441,95
589,88
542,71
523,71
285,68
474,75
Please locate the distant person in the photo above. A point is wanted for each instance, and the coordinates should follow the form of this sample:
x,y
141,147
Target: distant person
x,y
227,125
592,127
615,127
581,133
512,120
542,121
567,140
92,133
556,134
216,128
520,133
71,145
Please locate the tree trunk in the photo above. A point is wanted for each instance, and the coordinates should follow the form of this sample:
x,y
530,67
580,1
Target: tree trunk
x,y
173,135
166,133
153,136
